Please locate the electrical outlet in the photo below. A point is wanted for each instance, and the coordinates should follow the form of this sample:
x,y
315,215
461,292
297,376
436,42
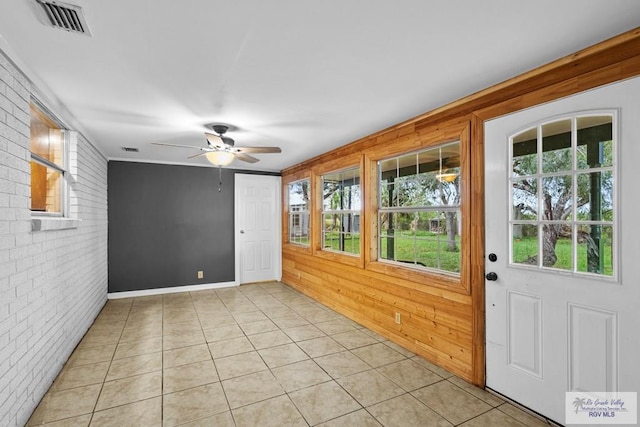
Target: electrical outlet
x,y
397,317
200,274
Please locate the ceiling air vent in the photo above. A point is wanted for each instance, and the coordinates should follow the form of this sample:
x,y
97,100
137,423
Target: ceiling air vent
x,y
65,16
130,149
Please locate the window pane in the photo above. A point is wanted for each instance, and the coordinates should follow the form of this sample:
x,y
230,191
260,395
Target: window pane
x,y
557,197
388,170
299,227
450,242
386,195
525,244
47,139
405,250
428,224
428,193
384,219
557,246
46,189
299,196
298,199
340,224
595,196
525,198
341,190
595,249
405,224
525,149
556,146
404,191
449,191
428,252
387,235
327,229
422,237
351,197
352,242
595,142
445,189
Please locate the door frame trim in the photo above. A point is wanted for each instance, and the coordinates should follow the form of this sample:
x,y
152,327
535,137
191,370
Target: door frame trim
x,y
277,244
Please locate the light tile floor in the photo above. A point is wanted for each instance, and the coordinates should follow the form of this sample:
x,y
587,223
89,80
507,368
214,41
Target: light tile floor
x,y
257,355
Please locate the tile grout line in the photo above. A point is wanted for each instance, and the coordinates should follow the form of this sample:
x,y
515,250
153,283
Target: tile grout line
x,y
95,406
239,303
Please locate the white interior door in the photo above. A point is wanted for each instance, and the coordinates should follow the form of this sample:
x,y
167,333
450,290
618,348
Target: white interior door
x,y
257,229
562,206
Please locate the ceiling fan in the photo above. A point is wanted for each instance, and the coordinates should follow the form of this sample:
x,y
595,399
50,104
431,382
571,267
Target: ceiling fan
x,y
221,149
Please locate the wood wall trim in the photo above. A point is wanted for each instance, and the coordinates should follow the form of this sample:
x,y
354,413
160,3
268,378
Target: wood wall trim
x,y
445,326
477,251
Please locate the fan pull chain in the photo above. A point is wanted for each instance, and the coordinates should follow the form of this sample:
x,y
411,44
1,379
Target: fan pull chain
x,y
219,179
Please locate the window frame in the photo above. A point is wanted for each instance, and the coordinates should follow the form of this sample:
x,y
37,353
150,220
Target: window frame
x,y
350,212
574,172
438,209
405,144
289,214
63,170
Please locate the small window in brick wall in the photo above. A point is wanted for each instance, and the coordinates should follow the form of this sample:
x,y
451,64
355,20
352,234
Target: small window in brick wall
x,y
49,161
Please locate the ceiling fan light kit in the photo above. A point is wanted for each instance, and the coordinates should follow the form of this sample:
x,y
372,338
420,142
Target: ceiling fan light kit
x,y
220,158
221,150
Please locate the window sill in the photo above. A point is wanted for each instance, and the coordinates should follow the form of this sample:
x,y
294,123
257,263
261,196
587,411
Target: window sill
x,y
354,260
47,224
296,248
423,277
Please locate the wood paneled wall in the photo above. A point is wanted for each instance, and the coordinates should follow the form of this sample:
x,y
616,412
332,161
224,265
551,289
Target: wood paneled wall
x,y
442,318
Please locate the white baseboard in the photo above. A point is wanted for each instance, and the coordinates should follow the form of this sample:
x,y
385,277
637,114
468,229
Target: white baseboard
x,y
175,289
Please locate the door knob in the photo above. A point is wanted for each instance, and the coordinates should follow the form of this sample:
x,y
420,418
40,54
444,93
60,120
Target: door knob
x,y
241,231
492,276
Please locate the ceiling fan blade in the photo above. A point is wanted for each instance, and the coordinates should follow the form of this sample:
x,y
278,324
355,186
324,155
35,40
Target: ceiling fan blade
x,y
197,155
246,158
214,140
258,150
176,145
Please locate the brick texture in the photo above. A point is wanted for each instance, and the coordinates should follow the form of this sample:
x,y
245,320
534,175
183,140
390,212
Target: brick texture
x,y
52,283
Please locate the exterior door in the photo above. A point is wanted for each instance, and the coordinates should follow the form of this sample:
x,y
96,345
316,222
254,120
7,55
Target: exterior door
x,y
563,248
257,229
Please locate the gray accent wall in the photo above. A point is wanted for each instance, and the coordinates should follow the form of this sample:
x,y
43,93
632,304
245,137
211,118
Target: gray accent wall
x,y
167,222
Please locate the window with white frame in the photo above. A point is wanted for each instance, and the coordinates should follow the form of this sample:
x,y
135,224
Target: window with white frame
x,y
562,210
341,211
49,158
298,200
419,216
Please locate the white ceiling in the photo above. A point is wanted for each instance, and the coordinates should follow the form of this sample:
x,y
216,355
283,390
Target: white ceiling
x,y
305,76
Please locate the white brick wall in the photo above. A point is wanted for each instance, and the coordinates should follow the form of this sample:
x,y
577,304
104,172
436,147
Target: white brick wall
x,y
52,283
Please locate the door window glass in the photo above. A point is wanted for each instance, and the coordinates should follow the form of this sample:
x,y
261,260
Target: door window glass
x,y
562,185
